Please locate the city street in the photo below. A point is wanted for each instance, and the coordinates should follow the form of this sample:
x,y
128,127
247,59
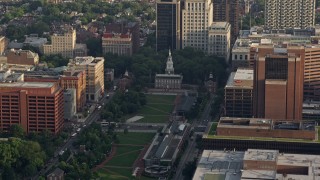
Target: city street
x,y
94,116
191,151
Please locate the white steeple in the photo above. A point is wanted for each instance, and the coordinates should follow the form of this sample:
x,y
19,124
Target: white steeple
x,y
169,68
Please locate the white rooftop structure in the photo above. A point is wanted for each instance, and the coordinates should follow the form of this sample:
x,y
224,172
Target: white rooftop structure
x,y
243,77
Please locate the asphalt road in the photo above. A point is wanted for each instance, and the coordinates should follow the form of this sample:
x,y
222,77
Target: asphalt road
x,y
190,152
94,116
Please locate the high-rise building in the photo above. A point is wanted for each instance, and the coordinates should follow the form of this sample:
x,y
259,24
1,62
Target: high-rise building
x,y
62,42
238,94
312,73
278,82
219,39
282,14
168,24
35,106
94,67
227,10
196,19
75,80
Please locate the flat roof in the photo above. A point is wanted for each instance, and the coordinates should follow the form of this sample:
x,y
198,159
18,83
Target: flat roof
x,y
241,78
228,165
261,155
28,84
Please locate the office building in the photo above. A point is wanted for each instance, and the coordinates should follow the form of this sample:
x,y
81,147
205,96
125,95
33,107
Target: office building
x,y
3,44
120,44
35,106
69,108
75,80
62,42
169,80
219,40
94,68
238,94
227,10
168,24
22,57
196,19
312,73
260,164
120,36
278,82
282,14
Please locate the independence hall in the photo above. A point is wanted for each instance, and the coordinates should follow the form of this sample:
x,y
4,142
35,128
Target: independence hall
x,y
35,106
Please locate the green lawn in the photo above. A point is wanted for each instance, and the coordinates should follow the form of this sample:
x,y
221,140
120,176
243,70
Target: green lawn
x,y
135,138
125,156
115,174
213,128
126,159
157,109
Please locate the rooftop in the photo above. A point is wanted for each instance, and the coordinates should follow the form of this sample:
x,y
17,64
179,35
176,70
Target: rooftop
x,y
87,60
28,84
220,26
229,165
241,78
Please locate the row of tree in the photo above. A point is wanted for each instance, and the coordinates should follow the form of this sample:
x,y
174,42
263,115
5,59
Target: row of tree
x,y
194,65
122,104
97,145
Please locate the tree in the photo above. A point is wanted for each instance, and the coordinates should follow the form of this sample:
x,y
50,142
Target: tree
x,y
16,130
125,130
189,169
94,47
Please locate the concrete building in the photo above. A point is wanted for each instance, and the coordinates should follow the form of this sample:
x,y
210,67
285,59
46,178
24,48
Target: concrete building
x,y
227,10
121,38
69,109
240,54
120,44
238,94
80,50
168,32
75,80
3,44
196,19
94,67
57,174
256,164
22,57
278,82
169,80
219,39
269,128
34,41
311,110
164,149
62,42
281,14
35,106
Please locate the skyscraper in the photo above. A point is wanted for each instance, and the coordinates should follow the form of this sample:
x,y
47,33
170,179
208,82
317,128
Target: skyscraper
x,y
227,10
278,82
196,19
168,24
282,14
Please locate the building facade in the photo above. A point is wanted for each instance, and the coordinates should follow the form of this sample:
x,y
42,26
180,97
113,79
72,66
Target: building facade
x,y
196,19
238,94
69,108
227,10
23,57
219,39
62,42
168,24
3,44
282,14
35,106
120,44
75,80
94,68
169,80
278,82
